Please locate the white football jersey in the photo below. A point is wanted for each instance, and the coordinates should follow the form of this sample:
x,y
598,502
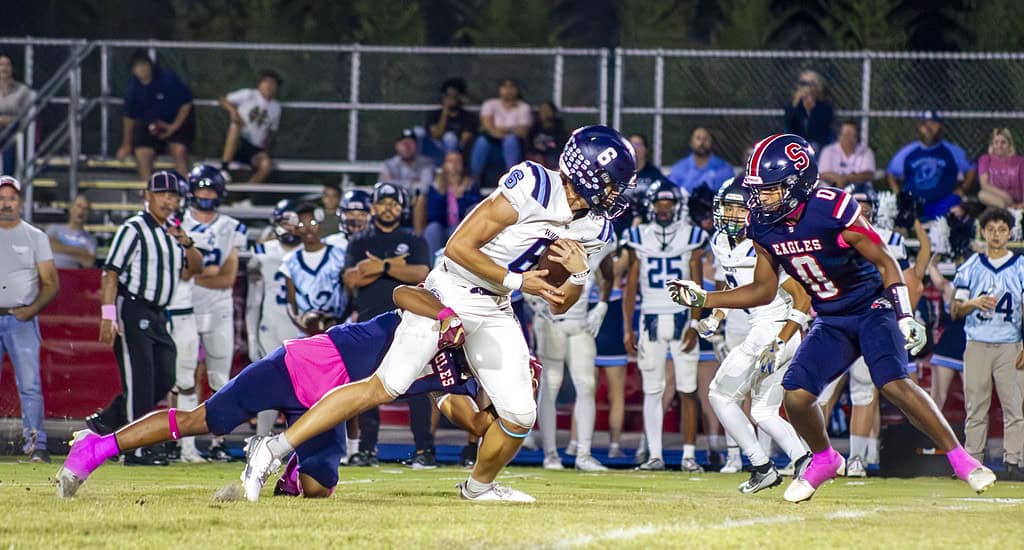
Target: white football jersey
x,y
736,268
215,240
337,240
664,255
536,193
270,304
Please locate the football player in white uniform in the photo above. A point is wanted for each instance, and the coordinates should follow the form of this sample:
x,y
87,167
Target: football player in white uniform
x,y
657,252
569,338
490,254
203,308
755,365
864,414
355,215
314,291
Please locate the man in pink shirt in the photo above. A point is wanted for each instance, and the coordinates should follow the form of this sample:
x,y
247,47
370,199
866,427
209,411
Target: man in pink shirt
x,y
847,161
504,121
291,379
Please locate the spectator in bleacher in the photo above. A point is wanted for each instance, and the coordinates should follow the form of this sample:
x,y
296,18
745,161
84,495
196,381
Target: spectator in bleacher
x,y
932,169
450,128
810,114
408,169
330,201
847,160
438,212
73,246
504,123
255,118
29,283
15,98
1001,172
158,116
989,287
701,166
547,136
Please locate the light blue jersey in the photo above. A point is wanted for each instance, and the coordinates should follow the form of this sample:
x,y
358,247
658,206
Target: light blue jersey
x,y
1005,283
317,279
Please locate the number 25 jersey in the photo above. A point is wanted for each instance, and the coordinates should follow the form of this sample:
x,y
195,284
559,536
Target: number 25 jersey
x,y
839,279
664,255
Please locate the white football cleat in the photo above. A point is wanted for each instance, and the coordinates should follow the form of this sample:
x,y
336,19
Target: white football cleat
x,y
260,464
652,465
587,463
801,489
855,467
980,479
689,465
733,465
496,493
553,462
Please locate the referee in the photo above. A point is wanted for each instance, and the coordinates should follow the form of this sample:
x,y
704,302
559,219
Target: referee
x,y
145,262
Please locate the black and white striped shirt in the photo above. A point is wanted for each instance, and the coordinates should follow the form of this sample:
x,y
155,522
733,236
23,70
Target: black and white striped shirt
x,y
148,260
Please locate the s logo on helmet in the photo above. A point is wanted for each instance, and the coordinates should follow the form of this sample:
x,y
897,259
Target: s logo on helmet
x,y
797,154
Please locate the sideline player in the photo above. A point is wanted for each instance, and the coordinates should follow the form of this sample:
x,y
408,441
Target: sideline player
x,y
490,254
819,237
656,252
758,362
202,309
355,216
291,378
312,276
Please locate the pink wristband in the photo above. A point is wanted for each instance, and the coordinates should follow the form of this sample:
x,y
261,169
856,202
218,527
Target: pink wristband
x,y
108,312
445,313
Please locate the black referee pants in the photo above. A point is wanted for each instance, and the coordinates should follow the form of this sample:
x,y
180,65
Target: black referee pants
x,y
146,356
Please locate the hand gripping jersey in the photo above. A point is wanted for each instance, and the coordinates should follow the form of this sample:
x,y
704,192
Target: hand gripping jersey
x,y
537,194
664,254
317,283
839,279
216,240
736,265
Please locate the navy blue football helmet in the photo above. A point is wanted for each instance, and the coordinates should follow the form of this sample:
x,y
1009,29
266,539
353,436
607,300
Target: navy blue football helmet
x,y
206,176
352,203
781,173
864,193
284,219
732,193
662,190
601,164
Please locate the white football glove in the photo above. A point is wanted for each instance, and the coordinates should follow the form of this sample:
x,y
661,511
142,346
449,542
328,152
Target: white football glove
x,y
707,326
914,333
687,293
595,317
771,357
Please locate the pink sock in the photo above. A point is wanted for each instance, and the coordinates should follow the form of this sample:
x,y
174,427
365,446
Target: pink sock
x,y
962,462
824,457
823,467
89,452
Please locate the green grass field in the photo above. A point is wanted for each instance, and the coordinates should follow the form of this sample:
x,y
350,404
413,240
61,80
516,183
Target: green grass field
x,y
394,507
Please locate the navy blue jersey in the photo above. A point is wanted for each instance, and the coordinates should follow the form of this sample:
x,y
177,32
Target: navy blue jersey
x,y
837,277
362,347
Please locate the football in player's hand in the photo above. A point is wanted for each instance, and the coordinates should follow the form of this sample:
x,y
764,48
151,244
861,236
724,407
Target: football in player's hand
x,y
557,273
314,322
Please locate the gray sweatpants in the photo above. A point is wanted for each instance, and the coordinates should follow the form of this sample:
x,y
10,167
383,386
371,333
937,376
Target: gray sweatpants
x,y
983,364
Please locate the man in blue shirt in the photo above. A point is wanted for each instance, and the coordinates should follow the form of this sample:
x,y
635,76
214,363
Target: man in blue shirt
x,y
989,288
158,116
931,169
701,167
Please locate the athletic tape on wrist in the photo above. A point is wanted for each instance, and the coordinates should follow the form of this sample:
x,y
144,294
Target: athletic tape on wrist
x,y
900,298
108,312
694,324
512,281
172,423
445,313
580,278
799,317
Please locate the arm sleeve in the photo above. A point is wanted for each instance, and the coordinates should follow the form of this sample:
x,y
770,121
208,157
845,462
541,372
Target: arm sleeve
x,y
844,209
983,163
962,280
238,238
122,248
963,164
238,97
896,164
488,108
527,187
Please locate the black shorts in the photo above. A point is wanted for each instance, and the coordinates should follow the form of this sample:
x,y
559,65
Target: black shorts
x,y
142,138
247,151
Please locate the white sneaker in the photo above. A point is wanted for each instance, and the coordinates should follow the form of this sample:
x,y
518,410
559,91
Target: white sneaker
x,y
496,493
855,467
980,479
652,465
260,464
690,465
587,463
570,449
615,451
733,464
191,456
553,462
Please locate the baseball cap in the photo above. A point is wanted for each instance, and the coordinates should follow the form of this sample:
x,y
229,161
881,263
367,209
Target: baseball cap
x,y
167,181
930,114
384,190
406,133
13,182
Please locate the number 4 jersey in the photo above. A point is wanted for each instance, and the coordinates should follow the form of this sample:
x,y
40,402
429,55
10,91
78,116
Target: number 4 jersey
x,y
538,196
839,279
664,255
